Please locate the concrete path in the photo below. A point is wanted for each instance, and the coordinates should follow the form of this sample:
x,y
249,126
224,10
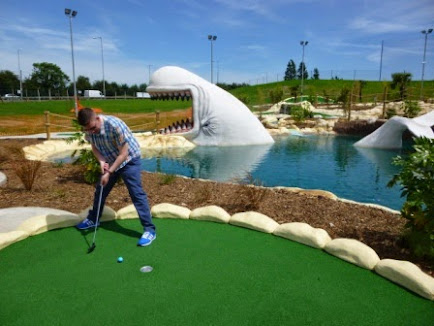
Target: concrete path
x,y
53,135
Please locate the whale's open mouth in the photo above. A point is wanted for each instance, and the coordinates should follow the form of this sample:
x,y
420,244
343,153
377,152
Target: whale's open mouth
x,y
178,127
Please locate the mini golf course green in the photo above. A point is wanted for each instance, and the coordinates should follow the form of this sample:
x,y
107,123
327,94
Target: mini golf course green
x,y
204,273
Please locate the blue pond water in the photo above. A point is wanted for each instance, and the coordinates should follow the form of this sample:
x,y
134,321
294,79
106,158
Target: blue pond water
x,y
311,162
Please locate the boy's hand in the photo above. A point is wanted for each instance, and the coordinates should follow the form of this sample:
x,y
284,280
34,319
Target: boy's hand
x,y
105,178
104,166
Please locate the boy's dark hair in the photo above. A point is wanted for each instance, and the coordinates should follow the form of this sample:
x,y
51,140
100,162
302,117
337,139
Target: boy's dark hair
x,y
84,116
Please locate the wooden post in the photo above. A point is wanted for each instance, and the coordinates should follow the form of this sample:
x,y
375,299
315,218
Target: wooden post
x,y
47,124
384,101
157,120
350,104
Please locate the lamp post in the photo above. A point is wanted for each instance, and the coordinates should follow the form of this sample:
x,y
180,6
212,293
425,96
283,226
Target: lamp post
x,y
21,75
71,14
212,38
149,74
426,32
102,60
303,44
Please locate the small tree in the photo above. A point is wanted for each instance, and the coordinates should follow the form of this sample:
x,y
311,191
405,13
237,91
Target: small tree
x,y
401,80
301,71
315,74
417,180
411,109
290,72
344,98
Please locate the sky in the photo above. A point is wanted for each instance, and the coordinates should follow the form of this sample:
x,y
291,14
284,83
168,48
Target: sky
x,y
255,38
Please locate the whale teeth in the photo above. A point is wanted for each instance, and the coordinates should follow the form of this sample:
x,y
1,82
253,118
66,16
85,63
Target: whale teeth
x,y
175,95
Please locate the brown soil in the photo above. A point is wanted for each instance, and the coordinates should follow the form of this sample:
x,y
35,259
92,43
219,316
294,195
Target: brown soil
x,y
62,187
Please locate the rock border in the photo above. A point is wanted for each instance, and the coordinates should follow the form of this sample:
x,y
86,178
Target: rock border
x,y
403,273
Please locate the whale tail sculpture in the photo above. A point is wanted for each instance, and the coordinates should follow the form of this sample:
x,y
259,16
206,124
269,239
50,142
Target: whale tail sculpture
x,y
389,135
218,118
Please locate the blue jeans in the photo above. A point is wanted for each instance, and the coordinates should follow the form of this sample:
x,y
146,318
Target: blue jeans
x,y
131,173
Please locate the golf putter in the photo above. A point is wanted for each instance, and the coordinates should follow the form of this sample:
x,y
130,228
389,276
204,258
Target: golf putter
x,y
92,247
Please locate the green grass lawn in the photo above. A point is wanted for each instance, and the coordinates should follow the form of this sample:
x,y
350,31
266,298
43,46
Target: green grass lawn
x,y
204,274
252,95
108,106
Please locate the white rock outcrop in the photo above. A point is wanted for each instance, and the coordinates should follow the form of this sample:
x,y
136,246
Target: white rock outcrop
x,y
303,233
407,275
127,212
255,221
211,213
165,210
42,223
11,237
354,252
108,214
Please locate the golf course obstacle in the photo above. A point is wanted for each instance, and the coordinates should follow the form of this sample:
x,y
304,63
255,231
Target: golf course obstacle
x,y
404,273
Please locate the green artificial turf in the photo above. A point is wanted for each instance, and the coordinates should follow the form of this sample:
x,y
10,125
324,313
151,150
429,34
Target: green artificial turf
x,y
204,274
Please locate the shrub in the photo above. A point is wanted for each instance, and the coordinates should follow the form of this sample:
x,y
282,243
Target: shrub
x,y
390,113
251,192
411,109
27,171
167,179
300,113
276,95
85,157
417,180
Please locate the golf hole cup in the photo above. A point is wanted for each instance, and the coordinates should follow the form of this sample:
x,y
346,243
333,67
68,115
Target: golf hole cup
x,y
146,269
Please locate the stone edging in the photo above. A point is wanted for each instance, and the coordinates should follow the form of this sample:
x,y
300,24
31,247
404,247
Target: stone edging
x,y
404,273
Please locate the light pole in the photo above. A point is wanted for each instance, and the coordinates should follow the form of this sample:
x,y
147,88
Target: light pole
x,y
303,44
381,59
102,60
21,75
212,38
72,13
426,32
149,74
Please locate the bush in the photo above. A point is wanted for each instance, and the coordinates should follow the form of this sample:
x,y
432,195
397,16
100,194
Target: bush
x,y
417,181
167,179
27,171
276,95
300,113
251,193
411,109
92,168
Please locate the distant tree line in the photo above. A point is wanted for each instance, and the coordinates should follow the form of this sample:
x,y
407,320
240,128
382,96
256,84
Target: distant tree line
x,y
229,87
47,79
292,73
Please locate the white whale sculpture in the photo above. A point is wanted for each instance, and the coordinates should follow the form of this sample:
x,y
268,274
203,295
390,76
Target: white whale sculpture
x,y
219,118
389,135
228,163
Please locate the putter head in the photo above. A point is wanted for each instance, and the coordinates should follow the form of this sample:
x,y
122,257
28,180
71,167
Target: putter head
x,y
91,248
